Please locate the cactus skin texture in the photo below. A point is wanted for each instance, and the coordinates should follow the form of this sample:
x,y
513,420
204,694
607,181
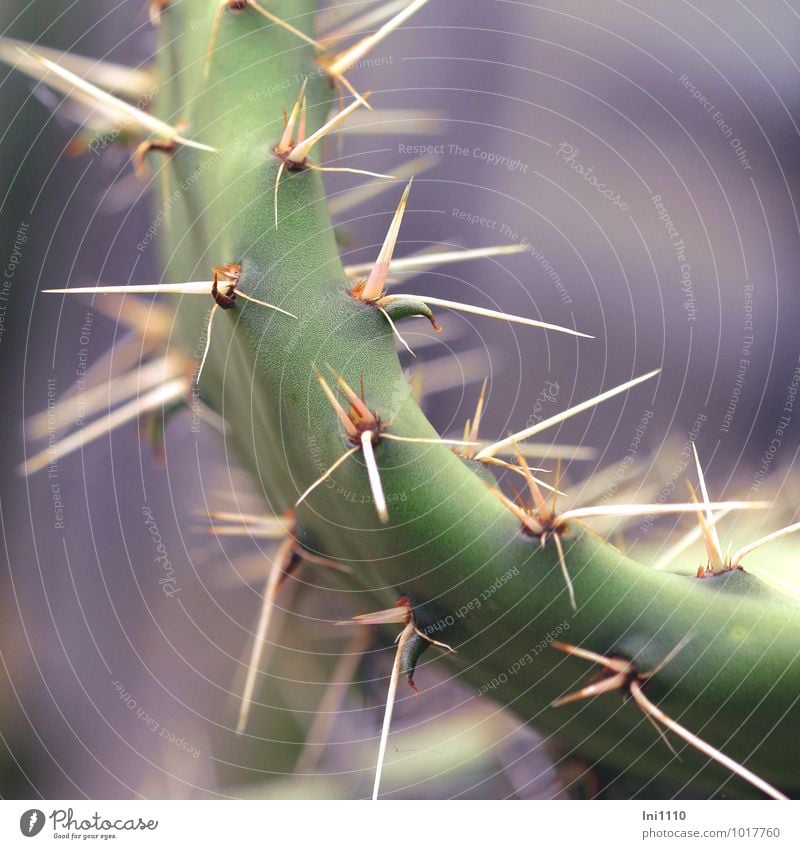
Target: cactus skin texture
x,y
735,683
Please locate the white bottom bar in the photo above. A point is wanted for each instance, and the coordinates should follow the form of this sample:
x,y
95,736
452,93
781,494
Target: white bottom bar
x,y
342,825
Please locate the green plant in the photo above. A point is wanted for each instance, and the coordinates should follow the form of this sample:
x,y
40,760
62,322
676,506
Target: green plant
x,y
715,653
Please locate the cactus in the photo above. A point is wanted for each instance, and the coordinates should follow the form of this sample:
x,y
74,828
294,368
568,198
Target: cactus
x,y
299,359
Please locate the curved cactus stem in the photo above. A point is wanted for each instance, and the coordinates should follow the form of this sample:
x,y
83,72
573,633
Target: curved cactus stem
x,y
448,539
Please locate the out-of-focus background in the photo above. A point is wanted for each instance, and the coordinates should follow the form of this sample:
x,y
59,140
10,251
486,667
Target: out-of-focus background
x,y
648,154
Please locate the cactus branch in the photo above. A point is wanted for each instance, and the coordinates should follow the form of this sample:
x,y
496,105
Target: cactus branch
x,y
421,518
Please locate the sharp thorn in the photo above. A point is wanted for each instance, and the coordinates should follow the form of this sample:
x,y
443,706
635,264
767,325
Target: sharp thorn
x,y
522,435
